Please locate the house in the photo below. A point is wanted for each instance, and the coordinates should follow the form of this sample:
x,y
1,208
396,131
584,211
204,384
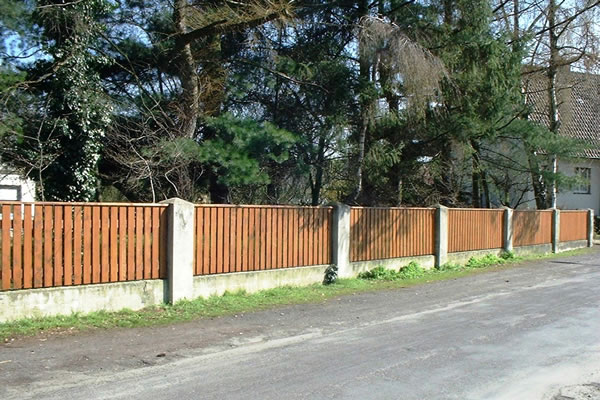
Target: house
x,y
14,187
578,96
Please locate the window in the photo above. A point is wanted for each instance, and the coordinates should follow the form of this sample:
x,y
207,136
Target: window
x,y
584,175
10,193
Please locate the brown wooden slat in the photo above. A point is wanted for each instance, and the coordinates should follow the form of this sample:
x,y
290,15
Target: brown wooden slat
x,y
58,245
252,239
239,239
96,245
104,244
213,240
123,243
131,260
198,222
147,271
6,247
155,242
38,247
139,243
17,261
219,240
114,244
48,224
226,239
85,272
164,225
27,246
206,241
68,245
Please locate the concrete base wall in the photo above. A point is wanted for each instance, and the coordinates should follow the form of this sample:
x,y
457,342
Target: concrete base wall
x,y
31,303
216,285
533,249
575,244
464,256
357,267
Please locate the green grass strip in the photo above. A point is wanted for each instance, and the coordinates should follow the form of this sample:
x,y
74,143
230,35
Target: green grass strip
x,y
241,302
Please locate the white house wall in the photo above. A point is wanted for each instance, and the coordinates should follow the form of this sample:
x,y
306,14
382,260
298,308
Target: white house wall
x,y
8,188
567,199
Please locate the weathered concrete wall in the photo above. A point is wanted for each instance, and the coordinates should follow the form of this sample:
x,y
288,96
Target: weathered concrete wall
x,y
533,249
66,300
572,245
464,256
426,262
209,285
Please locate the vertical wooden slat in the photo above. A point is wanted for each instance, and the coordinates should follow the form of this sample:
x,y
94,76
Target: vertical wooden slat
x,y
96,250
155,225
114,244
68,245
58,245
147,243
27,247
239,239
17,266
251,239
122,244
206,238
213,240
219,241
162,251
38,247
6,248
139,243
104,244
48,224
199,242
131,261
226,238
84,223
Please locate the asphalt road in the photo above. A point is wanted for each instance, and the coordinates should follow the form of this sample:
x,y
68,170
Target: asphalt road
x,y
529,332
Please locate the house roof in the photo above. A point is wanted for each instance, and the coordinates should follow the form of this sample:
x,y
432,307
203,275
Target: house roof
x,y
578,95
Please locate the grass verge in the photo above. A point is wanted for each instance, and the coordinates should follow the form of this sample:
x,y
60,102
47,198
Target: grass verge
x,y
239,302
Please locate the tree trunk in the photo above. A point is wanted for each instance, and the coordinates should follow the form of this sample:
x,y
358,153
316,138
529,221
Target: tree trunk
x,y
553,115
190,98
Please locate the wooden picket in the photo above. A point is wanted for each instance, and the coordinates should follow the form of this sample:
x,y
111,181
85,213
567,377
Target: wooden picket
x,y
474,229
532,227
63,244
254,238
573,225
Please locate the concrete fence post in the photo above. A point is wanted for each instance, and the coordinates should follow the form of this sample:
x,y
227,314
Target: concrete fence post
x,y
508,229
341,240
180,249
555,229
441,235
590,232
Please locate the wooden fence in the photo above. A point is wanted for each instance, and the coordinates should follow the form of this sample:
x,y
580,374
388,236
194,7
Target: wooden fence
x,y
573,225
63,244
532,227
475,229
253,238
380,233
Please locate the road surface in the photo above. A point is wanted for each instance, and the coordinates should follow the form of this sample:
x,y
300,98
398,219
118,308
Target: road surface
x,y
528,332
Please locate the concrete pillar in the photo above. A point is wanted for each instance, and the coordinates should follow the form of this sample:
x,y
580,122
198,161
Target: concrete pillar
x,y
590,233
180,249
441,235
555,229
341,240
508,229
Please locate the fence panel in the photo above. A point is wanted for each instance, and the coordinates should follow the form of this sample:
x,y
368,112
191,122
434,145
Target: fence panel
x,y
64,244
475,229
380,233
254,238
532,227
573,225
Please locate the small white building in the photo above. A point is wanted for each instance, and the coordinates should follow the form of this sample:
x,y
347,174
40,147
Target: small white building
x,y
14,187
578,97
